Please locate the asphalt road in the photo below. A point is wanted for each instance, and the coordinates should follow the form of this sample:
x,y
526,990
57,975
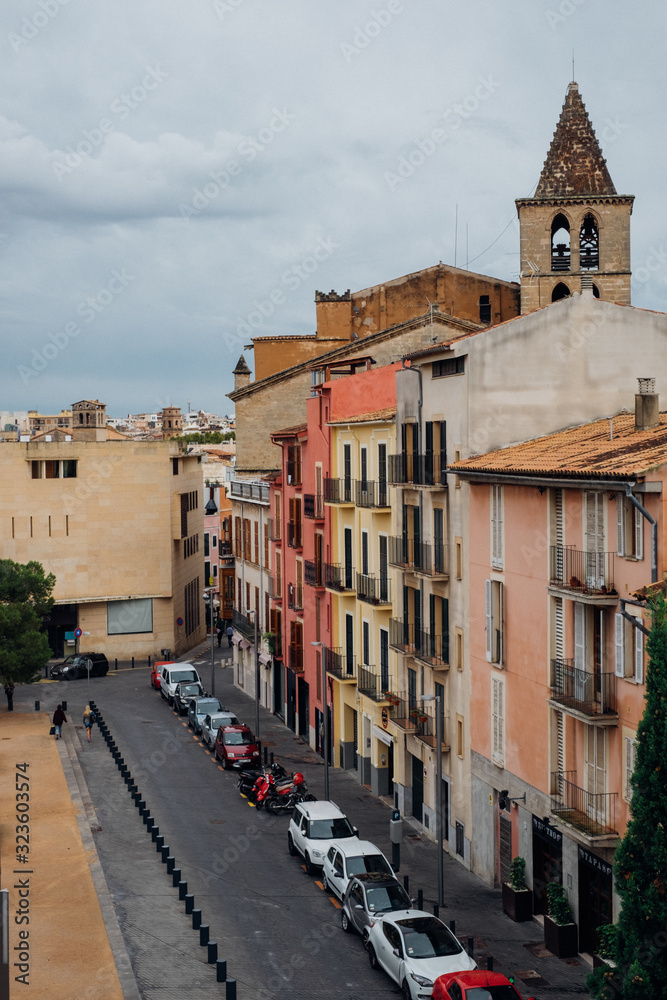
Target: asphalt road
x,y
278,930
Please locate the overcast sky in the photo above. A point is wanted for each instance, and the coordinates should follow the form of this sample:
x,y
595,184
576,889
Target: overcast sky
x,y
166,165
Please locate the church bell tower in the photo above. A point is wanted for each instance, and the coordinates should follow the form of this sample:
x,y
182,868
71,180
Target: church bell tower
x,y
575,230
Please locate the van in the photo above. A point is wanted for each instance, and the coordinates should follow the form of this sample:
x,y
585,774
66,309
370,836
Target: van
x,y
172,674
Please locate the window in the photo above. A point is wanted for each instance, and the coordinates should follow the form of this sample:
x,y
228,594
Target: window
x,y
629,649
294,464
256,559
174,466
560,243
349,643
347,471
435,459
438,540
266,546
595,761
363,453
206,546
630,758
494,621
484,309
364,553
54,469
366,642
449,366
561,291
629,529
384,659
458,648
460,747
458,551
497,527
457,458
498,721
192,601
589,245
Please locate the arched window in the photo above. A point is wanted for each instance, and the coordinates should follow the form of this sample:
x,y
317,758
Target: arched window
x,y
596,292
589,245
561,291
560,244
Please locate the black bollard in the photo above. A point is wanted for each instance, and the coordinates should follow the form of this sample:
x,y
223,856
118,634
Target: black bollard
x,y
406,883
231,990
489,963
150,823
420,899
64,704
176,877
272,756
171,861
182,889
37,706
133,663
189,902
452,927
203,935
221,970
159,841
471,947
154,833
115,663
149,661
165,854
266,756
196,920
212,952
436,910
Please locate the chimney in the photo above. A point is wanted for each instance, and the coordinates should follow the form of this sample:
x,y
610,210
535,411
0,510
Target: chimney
x,y
241,374
647,409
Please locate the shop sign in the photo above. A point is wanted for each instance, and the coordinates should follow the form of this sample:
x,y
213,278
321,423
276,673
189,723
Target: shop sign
x,y
545,831
592,860
385,718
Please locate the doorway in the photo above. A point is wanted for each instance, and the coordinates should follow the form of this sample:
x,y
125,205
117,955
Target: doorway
x,y
278,690
417,788
304,709
595,907
547,861
291,700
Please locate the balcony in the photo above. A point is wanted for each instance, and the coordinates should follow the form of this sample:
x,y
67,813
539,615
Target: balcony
x,y
426,732
431,648
592,813
275,588
374,589
403,711
239,489
582,573
342,666
421,557
590,695
244,624
417,470
401,635
340,578
338,490
294,535
370,494
371,684
313,573
294,597
274,644
295,656
313,506
275,533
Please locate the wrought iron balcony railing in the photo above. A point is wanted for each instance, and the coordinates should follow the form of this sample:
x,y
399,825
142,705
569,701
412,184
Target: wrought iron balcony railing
x,y
313,573
372,684
340,578
594,813
431,647
340,664
244,624
591,693
418,470
239,489
403,710
422,557
338,490
427,731
371,494
374,589
402,635
583,572
313,506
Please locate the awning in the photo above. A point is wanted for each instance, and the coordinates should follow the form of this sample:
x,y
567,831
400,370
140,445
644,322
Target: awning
x,y
244,644
383,735
264,658
236,638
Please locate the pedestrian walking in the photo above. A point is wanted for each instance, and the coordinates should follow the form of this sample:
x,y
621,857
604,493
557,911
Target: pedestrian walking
x,y
88,719
230,633
58,718
219,629
9,691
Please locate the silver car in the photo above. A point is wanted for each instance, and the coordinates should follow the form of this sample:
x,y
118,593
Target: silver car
x,y
368,895
199,708
211,724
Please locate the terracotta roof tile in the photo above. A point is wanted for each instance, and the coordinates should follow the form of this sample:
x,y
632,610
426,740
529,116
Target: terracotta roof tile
x,y
388,413
587,451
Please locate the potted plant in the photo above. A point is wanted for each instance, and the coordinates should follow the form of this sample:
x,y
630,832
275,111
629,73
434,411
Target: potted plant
x,y
517,897
604,954
270,640
560,931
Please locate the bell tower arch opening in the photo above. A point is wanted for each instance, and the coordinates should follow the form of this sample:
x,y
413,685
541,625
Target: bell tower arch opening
x,y
561,291
589,244
560,243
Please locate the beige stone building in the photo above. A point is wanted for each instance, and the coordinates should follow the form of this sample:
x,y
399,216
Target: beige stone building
x,y
120,525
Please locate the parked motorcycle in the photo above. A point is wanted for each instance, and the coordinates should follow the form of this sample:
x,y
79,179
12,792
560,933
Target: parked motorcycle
x,y
282,796
248,779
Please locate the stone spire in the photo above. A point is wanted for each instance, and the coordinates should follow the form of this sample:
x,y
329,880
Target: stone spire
x,y
241,373
574,165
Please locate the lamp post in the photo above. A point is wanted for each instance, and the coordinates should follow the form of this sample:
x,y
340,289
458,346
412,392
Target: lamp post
x,y
254,614
326,717
438,777
210,612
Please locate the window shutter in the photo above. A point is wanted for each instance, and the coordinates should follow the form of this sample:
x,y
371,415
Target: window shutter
x,y
489,619
639,534
579,636
497,527
639,655
620,525
560,742
559,629
619,636
629,766
497,720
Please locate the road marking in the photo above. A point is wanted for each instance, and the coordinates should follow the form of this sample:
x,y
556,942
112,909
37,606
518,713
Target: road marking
x,y
251,804
335,902
319,885
243,796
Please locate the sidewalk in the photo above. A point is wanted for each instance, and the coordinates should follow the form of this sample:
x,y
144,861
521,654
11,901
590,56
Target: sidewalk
x,y
61,950
517,949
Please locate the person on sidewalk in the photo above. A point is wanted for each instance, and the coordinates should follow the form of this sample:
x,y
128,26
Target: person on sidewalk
x,y
230,633
9,691
58,718
88,719
219,629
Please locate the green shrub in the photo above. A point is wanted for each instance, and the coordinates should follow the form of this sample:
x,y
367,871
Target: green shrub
x,y
558,907
518,874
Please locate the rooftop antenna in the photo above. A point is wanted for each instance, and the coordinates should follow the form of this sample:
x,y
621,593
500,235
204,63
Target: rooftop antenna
x,y
467,255
432,306
573,77
456,231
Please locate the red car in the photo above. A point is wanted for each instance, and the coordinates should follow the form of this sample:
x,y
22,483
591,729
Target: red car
x,y
475,986
156,670
235,746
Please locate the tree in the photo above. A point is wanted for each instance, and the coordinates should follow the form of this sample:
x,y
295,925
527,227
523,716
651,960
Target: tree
x,y
638,943
25,596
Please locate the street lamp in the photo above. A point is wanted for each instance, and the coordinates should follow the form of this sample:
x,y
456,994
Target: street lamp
x,y
438,777
326,717
253,612
210,614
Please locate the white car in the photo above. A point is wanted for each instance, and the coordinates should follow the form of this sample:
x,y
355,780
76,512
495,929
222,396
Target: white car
x,y
172,674
414,948
211,724
347,858
313,828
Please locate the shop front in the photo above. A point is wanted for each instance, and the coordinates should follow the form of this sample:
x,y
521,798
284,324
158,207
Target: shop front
x,y
595,898
547,861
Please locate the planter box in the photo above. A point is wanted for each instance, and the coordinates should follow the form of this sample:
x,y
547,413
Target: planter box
x,y
517,904
561,939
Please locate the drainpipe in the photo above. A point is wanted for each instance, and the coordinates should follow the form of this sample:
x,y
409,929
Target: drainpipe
x,y
654,531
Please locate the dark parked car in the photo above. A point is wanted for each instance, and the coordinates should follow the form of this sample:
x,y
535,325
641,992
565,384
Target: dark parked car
x,y
366,896
199,708
235,746
76,666
184,693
